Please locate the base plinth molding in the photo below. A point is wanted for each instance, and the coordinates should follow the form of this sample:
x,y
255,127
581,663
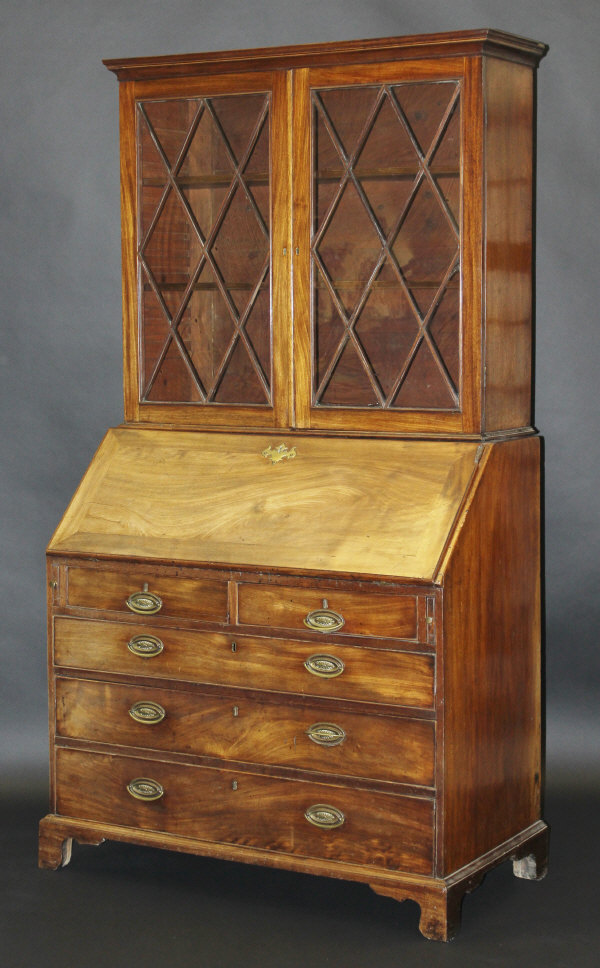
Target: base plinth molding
x,y
440,899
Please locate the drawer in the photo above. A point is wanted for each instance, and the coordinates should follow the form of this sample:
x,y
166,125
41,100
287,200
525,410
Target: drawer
x,y
302,737
379,829
179,597
363,613
367,674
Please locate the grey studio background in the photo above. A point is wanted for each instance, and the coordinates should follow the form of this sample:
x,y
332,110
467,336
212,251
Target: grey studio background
x,y
60,305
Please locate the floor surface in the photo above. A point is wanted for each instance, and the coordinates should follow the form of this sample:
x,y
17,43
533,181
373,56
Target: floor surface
x,y
118,906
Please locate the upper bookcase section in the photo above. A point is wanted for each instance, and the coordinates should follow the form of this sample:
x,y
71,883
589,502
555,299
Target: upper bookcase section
x,y
334,238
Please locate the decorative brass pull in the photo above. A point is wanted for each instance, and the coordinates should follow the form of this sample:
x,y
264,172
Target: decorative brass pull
x,y
145,789
147,712
326,734
325,666
324,816
144,602
145,646
324,620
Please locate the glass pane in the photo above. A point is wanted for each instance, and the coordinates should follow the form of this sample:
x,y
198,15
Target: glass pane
x,y
241,379
165,251
346,112
175,382
424,376
204,249
426,245
445,328
169,122
387,330
424,106
349,248
241,249
349,386
207,328
385,246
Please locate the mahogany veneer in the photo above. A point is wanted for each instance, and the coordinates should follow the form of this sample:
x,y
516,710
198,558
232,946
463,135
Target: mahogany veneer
x,y
294,605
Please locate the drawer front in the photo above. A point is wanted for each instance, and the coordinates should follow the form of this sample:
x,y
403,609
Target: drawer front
x,y
249,731
378,829
179,597
363,613
368,674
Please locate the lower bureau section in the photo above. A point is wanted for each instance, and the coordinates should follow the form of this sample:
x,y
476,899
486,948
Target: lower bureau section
x,y
286,816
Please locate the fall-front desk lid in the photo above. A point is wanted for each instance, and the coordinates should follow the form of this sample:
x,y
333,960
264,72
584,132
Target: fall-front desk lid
x,y
353,506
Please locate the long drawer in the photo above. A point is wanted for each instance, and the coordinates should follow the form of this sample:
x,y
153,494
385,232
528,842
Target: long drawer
x,y
347,744
194,598
289,816
360,613
281,665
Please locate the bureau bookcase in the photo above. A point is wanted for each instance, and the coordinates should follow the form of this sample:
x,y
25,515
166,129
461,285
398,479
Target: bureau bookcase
x,y
294,606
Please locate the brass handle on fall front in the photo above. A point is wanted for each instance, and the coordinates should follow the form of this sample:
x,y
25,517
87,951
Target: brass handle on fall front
x,y
324,816
324,620
144,602
145,789
326,734
145,646
148,712
324,666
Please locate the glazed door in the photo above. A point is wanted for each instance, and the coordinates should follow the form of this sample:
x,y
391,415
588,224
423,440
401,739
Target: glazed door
x,y
210,304
383,321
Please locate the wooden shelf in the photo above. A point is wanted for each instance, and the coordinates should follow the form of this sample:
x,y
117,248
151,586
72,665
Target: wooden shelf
x,y
207,181
327,174
349,286
205,287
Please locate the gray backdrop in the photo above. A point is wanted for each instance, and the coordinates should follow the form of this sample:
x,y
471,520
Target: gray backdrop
x,y
60,361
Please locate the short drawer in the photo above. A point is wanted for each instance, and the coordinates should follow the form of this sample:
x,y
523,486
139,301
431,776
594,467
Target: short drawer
x,y
362,613
303,737
192,598
292,817
280,665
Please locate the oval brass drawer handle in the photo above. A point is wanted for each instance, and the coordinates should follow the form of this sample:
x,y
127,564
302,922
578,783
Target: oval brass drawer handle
x,y
326,734
145,646
148,712
145,789
325,666
324,620
144,602
325,816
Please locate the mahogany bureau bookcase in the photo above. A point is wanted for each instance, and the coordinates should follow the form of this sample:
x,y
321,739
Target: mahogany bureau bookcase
x,y
294,605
